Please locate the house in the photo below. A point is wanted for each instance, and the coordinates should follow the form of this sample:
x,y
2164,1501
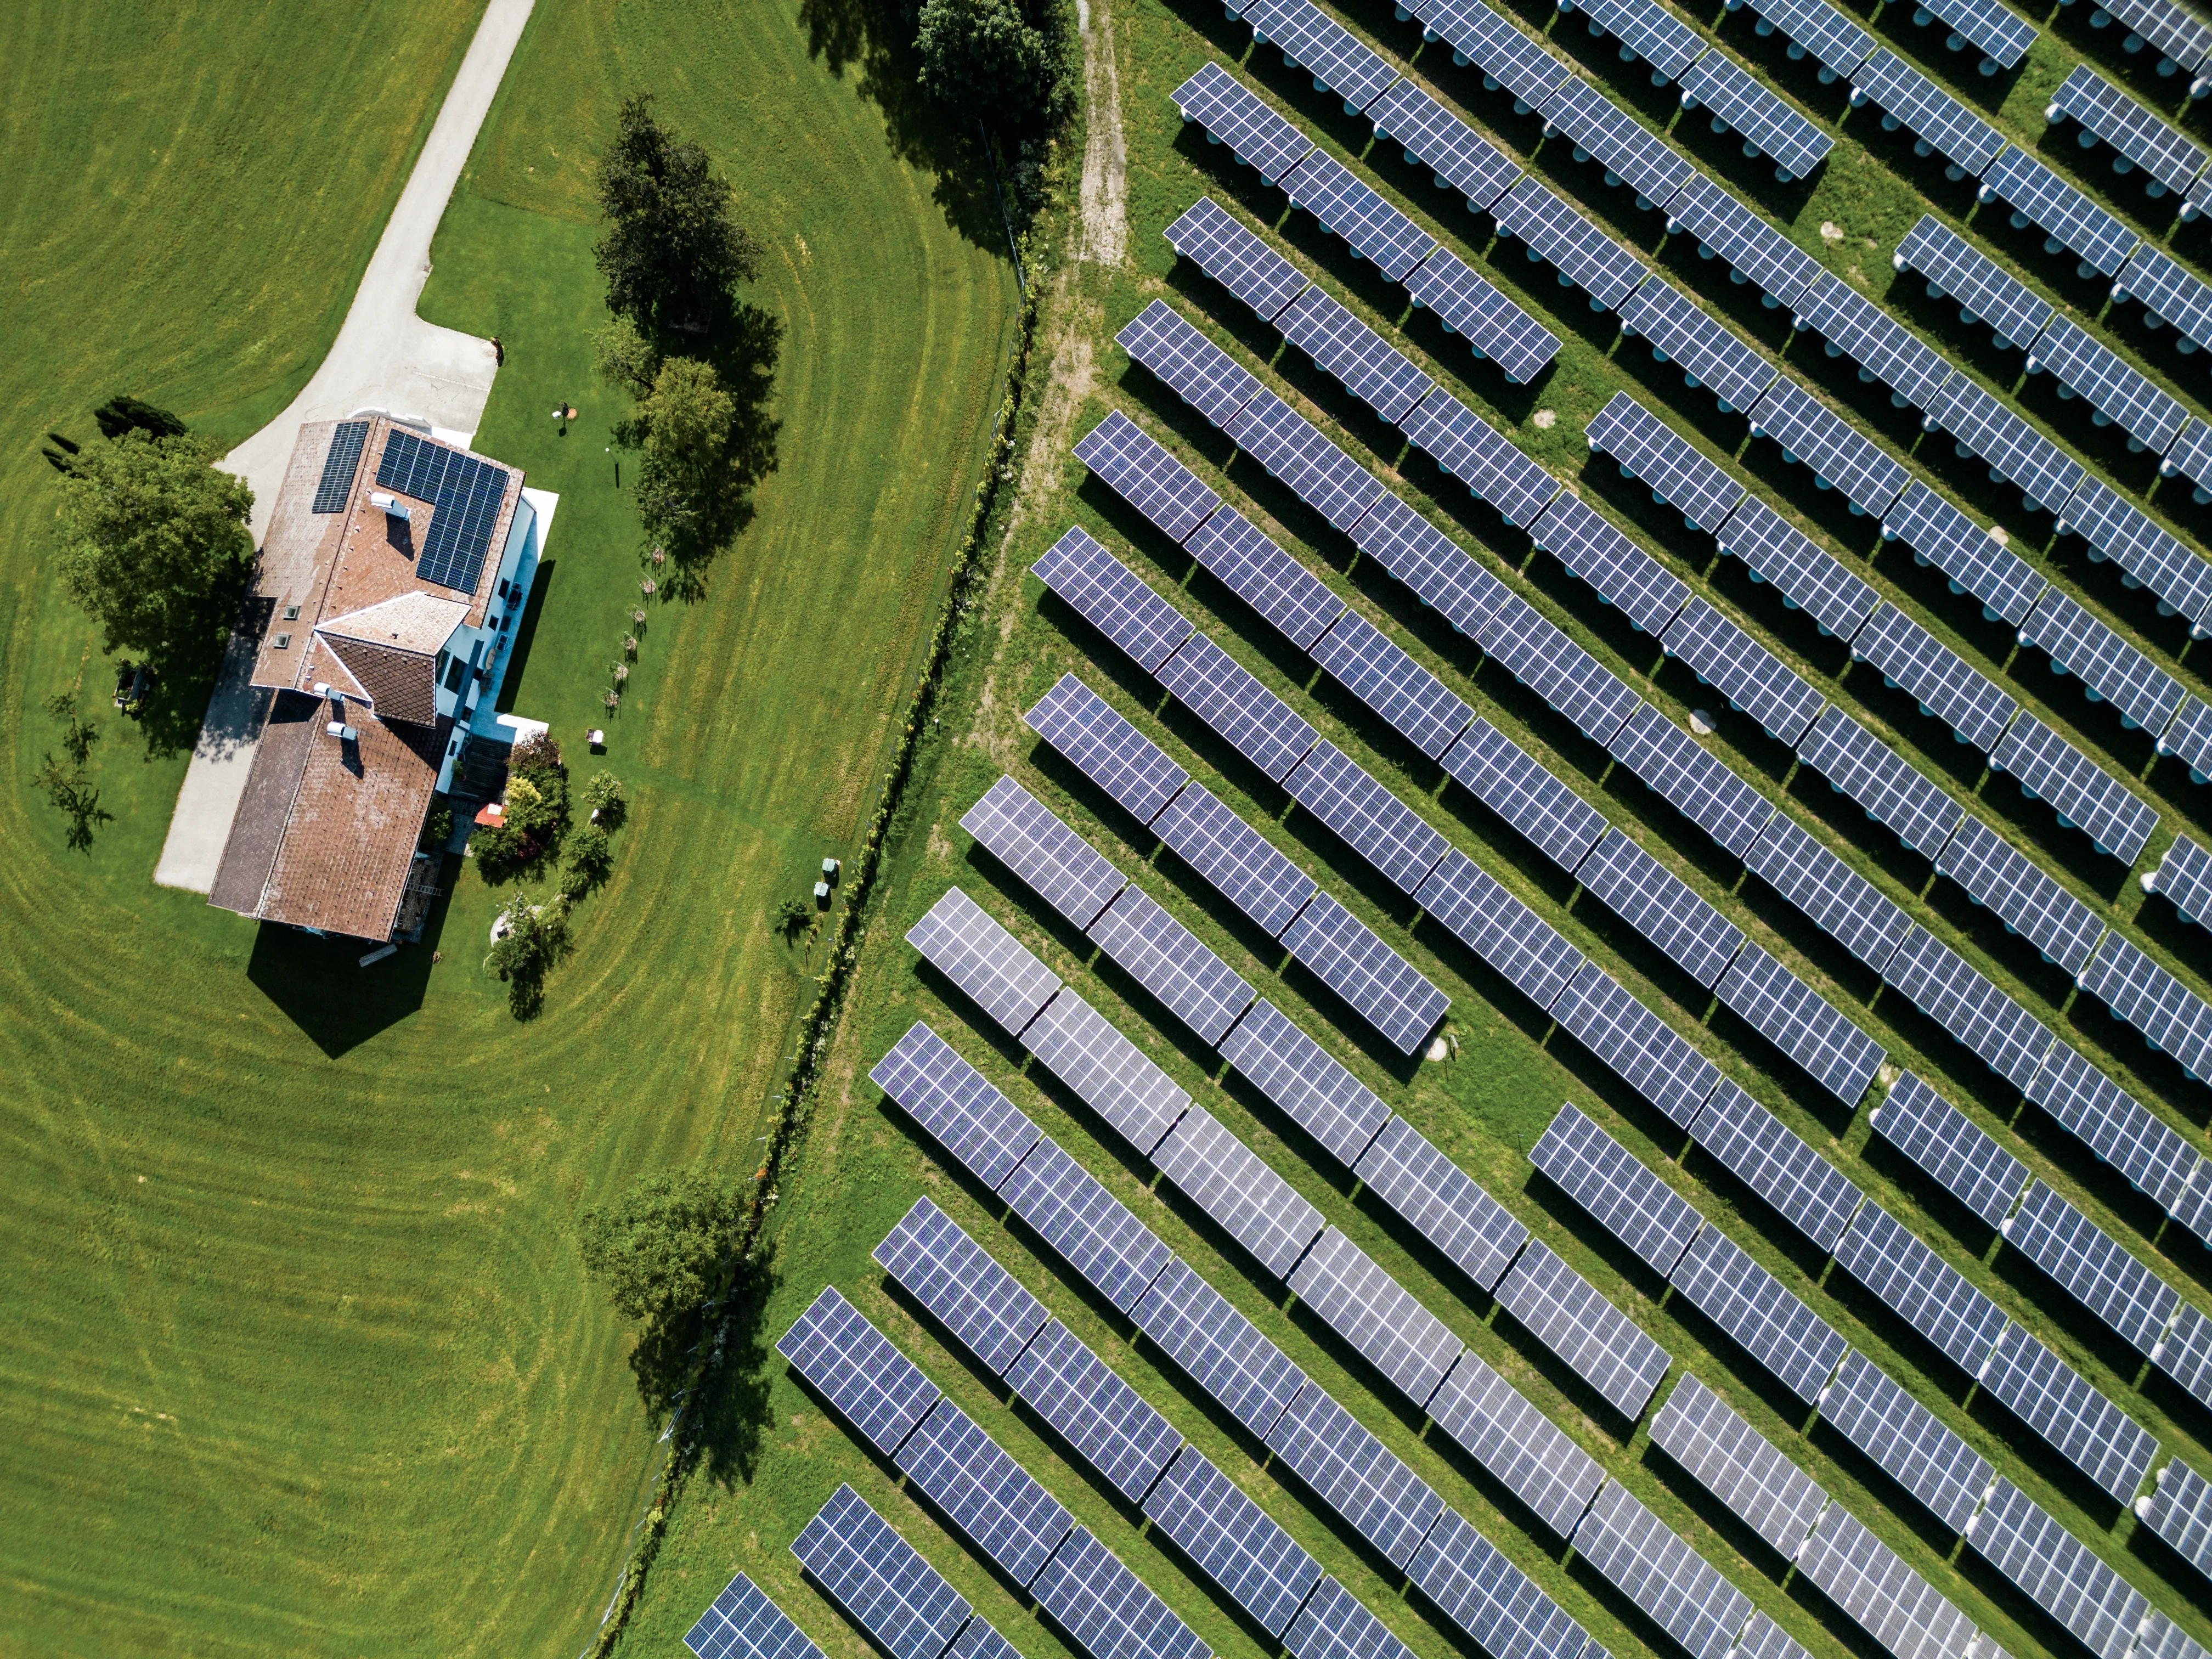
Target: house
x,y
394,573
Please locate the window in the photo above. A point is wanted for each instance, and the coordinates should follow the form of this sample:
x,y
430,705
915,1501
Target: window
x,y
455,672
502,588
282,640
291,613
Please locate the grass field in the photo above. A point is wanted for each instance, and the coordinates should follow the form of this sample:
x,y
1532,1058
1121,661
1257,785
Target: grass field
x,y
300,1359
863,1165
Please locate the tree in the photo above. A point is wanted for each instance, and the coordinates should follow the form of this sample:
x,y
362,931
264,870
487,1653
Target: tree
x,y
625,359
657,1248
673,246
684,425
153,541
590,861
536,940
1003,60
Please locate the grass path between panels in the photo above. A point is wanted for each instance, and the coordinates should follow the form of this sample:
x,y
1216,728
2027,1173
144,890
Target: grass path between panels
x,y
300,1359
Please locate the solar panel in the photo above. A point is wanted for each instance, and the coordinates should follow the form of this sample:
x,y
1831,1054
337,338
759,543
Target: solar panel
x,y
1526,643
1776,552
466,495
1310,38
1973,559
1597,1342
2093,1267
1754,679
1429,562
2068,218
1802,1023
2185,1354
1499,773
1530,1455
1234,115
1768,1322
1355,1474
1885,349
2185,39
1659,905
2085,1428
1956,1154
1956,268
2117,530
1937,980
2171,1017
1630,1202
2179,1510
997,1503
1289,447
990,1310
2059,1572
1809,431
1089,1405
1934,676
1091,1229
1376,1314
2013,450
1112,753
1432,137
872,1386
2117,1128
1441,1201
2117,392
1305,1081
956,1103
2146,141
2084,794
744,1624
1198,371
2184,877
1335,1624
981,1641
2002,35
1232,1541
1678,1590
1106,1609
1245,1197
1374,822
1887,1598
1617,570
1481,456
1737,1464
1222,1351
1113,598
1237,859
1499,929
1256,722
1920,1287
1630,153
1669,466
1906,1441
1861,765
2170,295
1219,245
1492,325
1754,249
1764,1153
1152,481
1839,901
340,462
1024,835
2190,738
1490,1598
1762,1638
989,964
1412,701
1371,369
1998,876
1649,1055
1505,56
1582,253
1669,46
1111,1074
2113,670
1371,226
1723,86
1834,41
1168,960
1680,331
1700,786
1947,126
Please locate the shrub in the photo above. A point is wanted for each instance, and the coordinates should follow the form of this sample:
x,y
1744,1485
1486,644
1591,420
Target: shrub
x,y
590,858
437,828
603,795
536,940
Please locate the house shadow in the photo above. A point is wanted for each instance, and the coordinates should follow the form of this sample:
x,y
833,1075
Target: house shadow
x,y
321,985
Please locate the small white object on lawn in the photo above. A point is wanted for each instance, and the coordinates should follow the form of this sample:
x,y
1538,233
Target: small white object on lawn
x,y
1701,722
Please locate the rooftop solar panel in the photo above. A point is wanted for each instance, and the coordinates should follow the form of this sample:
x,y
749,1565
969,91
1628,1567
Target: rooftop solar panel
x,y
1152,481
1885,349
1481,456
2012,449
1778,553
1113,598
742,1623
1815,434
1738,1465
990,1310
1529,646
949,1098
1653,1058
1491,1599
1840,901
2117,1128
988,1495
1373,821
1768,1157
1230,1183
1467,304
989,964
2086,1429
1681,331
1833,39
1669,466
1292,449
1309,37
1630,152
1906,1440
1920,1287
1376,1314
1106,1609
2094,1268
2171,1017
1234,115
465,496
2184,878
1765,1320
1305,1081
1617,570
1752,248
872,1385
1222,1351
2114,672
1024,835
2058,1571
2084,794
1499,929
1335,1624
1089,1405
1973,559
1888,1600
1937,980
1499,773
2169,295
1802,1023
2190,739
1256,723
2093,372
1090,1228
1754,679
1377,983
1700,786
341,462
1110,1073
1632,1203
1505,56
1938,678
2003,36
1443,1203
1571,1317
1375,669
1232,1541
2117,530
1999,876
1723,86
1955,267
1678,1590
1169,961
1432,137
1530,1455
1962,137
1374,229
1112,753
1219,244
2143,137
2068,218
1244,866
1861,765
1371,369
1653,33
1355,1474
1198,371
1577,249
1429,562
1947,1143
2179,1510
1661,906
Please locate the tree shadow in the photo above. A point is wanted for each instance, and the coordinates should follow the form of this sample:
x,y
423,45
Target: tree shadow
x,y
742,346
734,1401
319,985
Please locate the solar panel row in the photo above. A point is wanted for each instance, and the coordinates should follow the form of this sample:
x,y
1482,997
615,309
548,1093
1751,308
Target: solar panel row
x,y
2003,36
1679,1590
2143,140
742,1623
2069,219
1955,1154
1738,1465
1759,1314
2057,1571
1884,1595
2119,532
879,1579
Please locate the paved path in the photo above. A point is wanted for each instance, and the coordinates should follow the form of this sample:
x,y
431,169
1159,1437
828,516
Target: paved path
x,y
385,358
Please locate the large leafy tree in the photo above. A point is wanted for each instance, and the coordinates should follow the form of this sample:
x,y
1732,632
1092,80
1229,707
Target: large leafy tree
x,y
1003,60
674,245
657,1248
684,424
153,541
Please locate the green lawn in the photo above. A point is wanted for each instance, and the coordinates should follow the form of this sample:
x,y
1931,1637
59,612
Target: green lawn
x,y
299,1356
